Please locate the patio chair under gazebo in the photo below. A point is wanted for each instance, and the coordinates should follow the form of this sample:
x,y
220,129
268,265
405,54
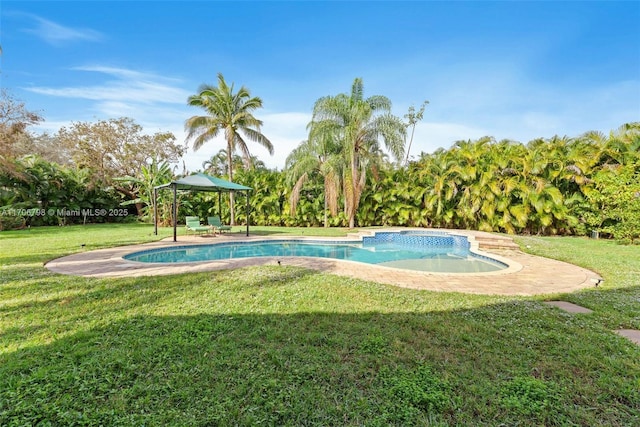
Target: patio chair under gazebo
x,y
197,182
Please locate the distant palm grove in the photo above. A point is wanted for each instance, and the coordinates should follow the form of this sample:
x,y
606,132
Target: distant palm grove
x,y
339,176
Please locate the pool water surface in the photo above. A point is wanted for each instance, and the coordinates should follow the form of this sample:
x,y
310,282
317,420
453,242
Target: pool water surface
x,y
434,253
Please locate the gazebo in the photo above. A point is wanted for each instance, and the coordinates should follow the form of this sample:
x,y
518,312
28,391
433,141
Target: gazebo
x,y
197,182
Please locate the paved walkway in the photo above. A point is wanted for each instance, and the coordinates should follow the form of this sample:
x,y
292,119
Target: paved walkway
x,y
632,335
526,274
569,307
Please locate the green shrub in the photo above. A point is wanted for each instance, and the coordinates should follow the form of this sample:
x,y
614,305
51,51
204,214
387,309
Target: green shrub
x,y
618,202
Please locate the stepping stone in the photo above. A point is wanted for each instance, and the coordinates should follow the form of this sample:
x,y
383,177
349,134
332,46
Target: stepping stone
x,y
568,307
631,334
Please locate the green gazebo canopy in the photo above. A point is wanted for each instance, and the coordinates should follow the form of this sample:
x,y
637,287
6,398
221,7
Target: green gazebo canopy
x,y
204,182
197,182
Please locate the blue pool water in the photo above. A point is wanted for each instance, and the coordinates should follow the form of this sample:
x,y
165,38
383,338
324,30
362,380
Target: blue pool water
x,y
408,250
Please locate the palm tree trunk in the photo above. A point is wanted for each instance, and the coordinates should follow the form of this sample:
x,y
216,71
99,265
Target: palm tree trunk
x,y
406,160
232,216
326,222
354,189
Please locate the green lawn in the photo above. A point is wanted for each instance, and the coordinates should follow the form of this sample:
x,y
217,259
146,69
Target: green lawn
x,y
287,346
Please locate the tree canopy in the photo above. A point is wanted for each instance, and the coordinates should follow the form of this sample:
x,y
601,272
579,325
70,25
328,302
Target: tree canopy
x,y
358,124
14,122
230,113
116,148
557,185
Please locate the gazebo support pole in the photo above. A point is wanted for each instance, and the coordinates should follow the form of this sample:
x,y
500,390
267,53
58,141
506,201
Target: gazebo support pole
x,y
248,211
155,211
175,212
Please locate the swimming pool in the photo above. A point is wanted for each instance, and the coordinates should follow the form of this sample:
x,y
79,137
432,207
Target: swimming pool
x,y
433,252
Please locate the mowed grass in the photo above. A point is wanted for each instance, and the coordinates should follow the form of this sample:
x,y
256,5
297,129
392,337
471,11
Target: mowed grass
x,y
281,346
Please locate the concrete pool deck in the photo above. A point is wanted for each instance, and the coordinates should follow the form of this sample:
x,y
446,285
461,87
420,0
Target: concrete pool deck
x,y
526,275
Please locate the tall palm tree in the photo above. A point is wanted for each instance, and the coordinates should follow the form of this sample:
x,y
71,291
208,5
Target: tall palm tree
x,y
360,123
412,120
318,154
231,113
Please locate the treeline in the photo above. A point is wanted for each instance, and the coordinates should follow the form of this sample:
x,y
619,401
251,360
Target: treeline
x,y
338,177
36,192
86,172
556,186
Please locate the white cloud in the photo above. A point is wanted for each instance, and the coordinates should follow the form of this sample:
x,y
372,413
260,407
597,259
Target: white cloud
x,y
509,101
50,127
285,131
128,85
429,136
566,111
158,104
155,102
57,35
505,106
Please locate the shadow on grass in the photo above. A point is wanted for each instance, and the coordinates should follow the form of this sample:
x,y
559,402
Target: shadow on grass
x,y
466,367
41,258
77,297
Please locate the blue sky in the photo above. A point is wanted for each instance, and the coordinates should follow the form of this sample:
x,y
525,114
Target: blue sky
x,y
517,70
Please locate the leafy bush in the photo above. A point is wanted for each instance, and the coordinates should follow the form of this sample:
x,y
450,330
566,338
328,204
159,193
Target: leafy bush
x,y
46,193
10,222
617,200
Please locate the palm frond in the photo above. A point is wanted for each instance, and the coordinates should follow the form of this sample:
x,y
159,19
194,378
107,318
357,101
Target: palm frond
x,y
295,194
257,136
331,186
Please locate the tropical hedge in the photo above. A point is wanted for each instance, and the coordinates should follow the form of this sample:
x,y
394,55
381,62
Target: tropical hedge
x,y
553,186
37,192
556,186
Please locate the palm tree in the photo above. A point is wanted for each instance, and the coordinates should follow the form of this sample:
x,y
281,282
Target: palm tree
x,y
620,147
217,164
318,154
359,123
231,113
412,120
151,175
